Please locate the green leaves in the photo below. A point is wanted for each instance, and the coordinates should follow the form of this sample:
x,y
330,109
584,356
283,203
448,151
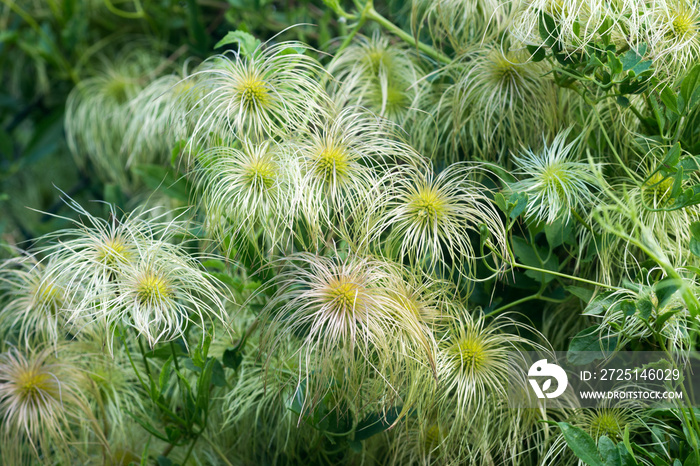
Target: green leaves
x,y
581,444
159,178
605,453
247,43
690,88
589,345
535,256
695,238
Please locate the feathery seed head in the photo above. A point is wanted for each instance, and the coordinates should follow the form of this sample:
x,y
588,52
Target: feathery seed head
x,y
341,165
349,323
274,91
160,293
430,216
474,362
377,75
247,189
35,297
608,421
98,113
554,182
253,94
39,402
672,31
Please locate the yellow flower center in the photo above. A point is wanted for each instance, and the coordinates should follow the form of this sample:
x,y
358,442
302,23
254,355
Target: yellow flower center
x,y
507,72
396,99
344,293
114,251
34,384
683,23
469,354
117,88
254,93
153,288
657,189
260,174
606,423
48,297
555,177
332,163
376,58
427,205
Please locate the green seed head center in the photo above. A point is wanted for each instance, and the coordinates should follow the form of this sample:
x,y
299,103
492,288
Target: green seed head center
x,y
153,288
332,163
344,293
555,178
428,206
681,25
261,174
32,384
114,251
254,93
658,188
606,424
469,354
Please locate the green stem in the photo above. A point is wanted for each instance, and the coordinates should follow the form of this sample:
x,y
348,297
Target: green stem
x,y
217,450
189,450
131,361
125,14
537,296
143,356
580,219
372,14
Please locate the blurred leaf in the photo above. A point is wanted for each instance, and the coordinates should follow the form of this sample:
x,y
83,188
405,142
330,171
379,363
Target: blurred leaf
x,y
247,43
376,423
160,178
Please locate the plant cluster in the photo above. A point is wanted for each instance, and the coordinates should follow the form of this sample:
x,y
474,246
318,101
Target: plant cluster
x,y
336,253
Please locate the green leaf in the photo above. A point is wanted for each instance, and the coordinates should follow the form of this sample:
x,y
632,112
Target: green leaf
x,y
548,29
559,232
691,81
614,63
626,442
608,452
628,307
164,374
632,57
645,307
232,358
517,204
584,294
672,157
535,256
159,178
588,345
665,289
218,378
668,97
537,53
247,43
599,304
581,444
376,423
